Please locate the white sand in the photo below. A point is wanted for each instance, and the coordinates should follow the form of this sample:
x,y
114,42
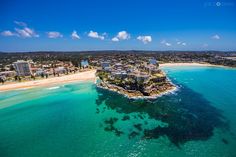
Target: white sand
x,y
82,76
187,64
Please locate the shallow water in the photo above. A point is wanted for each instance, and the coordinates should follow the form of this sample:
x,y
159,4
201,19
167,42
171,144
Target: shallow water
x,y
81,120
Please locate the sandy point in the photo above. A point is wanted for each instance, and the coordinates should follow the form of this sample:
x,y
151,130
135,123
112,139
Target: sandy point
x,y
188,64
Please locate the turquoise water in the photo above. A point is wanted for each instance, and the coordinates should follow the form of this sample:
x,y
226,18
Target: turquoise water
x,y
81,120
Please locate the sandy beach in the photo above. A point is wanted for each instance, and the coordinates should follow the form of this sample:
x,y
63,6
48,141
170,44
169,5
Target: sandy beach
x,y
82,76
188,64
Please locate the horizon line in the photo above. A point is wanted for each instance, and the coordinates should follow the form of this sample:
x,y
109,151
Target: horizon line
x,y
117,50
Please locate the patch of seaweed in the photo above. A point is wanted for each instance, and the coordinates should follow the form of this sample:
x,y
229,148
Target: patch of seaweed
x,y
225,141
133,134
188,114
138,126
110,126
126,117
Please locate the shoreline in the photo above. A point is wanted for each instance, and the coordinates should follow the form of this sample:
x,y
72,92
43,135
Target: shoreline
x,y
87,76
81,76
129,95
191,64
170,91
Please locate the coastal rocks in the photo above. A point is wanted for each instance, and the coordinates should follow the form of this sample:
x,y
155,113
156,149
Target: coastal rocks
x,y
114,88
150,93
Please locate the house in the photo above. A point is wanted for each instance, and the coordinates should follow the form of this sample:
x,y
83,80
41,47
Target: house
x,y
105,65
60,70
84,64
153,61
118,65
152,69
119,74
142,77
8,73
40,72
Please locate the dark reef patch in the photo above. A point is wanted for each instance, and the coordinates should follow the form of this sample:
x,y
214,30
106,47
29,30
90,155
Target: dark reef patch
x,y
133,134
126,117
188,115
110,126
138,127
225,141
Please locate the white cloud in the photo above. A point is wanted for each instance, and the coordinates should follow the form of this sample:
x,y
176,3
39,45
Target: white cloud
x,y
54,35
168,44
165,43
74,35
145,39
122,35
26,32
104,34
115,39
181,43
184,44
7,33
93,34
23,33
217,37
20,23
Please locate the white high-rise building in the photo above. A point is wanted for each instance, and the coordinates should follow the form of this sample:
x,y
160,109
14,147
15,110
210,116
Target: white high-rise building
x,y
22,68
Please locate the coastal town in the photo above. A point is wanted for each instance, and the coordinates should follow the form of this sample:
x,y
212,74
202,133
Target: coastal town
x,y
133,74
25,70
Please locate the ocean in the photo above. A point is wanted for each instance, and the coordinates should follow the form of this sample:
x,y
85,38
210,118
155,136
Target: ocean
x,y
81,120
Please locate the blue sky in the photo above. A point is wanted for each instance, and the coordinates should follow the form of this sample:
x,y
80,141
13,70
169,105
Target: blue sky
x,y
27,25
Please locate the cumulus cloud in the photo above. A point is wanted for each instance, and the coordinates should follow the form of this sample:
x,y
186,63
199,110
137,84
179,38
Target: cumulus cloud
x,y
184,44
122,35
26,32
23,31
145,39
165,43
93,34
181,43
19,23
74,35
168,44
104,34
7,33
115,39
54,35
217,37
